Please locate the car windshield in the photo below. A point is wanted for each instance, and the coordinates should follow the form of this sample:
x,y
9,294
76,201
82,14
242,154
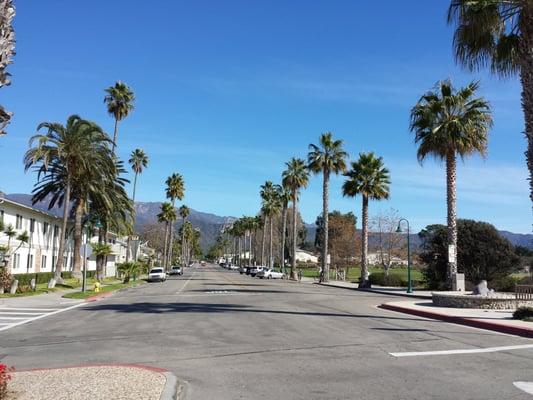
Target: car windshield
x,y
156,271
176,267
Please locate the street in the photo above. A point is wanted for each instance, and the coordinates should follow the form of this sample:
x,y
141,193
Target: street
x,y
234,337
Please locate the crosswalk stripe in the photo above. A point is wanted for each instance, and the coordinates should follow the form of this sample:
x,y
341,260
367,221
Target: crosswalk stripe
x,y
20,313
17,321
28,309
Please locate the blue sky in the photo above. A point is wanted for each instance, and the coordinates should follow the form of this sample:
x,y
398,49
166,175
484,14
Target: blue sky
x,y
229,91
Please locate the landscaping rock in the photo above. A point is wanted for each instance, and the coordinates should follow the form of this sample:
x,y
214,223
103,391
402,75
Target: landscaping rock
x,y
481,289
33,284
14,286
51,283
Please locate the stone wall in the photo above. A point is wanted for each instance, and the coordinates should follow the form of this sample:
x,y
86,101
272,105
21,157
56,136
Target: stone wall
x,y
496,301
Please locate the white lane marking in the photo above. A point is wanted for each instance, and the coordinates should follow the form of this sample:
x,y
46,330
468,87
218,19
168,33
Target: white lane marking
x,y
525,386
13,317
28,309
20,313
186,283
25,321
462,351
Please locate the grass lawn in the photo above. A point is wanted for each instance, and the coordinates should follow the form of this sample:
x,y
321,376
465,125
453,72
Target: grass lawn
x,y
109,287
71,283
355,273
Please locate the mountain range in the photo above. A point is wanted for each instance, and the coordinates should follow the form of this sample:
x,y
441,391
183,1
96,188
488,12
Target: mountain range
x,y
210,225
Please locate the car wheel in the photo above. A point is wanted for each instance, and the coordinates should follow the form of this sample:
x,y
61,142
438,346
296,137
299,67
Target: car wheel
x,y
269,277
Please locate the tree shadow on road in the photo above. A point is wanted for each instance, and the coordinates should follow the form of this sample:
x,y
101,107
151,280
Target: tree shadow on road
x,y
217,308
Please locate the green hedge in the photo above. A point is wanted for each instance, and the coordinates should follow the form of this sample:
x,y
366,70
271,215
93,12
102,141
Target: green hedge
x,y
44,277
393,279
524,313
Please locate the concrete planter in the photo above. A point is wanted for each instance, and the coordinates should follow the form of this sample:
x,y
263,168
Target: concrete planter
x,y
496,301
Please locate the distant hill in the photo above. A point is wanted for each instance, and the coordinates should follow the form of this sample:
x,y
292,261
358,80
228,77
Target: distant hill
x,y
211,224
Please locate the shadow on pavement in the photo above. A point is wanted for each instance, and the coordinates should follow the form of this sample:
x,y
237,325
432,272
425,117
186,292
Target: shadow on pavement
x,y
160,308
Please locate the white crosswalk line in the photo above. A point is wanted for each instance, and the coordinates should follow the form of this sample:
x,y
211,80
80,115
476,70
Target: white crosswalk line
x,y
11,317
461,351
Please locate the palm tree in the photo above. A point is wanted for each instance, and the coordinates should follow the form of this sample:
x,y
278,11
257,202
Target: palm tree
x,y
138,161
447,123
70,161
119,101
175,190
267,192
369,178
295,177
326,158
498,33
101,251
7,51
184,212
167,215
284,196
271,207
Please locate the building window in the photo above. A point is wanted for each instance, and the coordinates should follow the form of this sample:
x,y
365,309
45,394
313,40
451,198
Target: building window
x,y
43,262
18,224
1,216
32,225
56,231
16,261
45,228
30,262
53,263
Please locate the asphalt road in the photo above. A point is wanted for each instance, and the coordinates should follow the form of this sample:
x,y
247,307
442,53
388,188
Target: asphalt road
x,y
234,337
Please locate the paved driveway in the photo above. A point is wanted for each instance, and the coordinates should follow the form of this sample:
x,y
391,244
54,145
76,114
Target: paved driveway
x,y
234,337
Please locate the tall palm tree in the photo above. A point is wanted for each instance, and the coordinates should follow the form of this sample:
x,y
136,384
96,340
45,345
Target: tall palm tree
x,y
448,123
267,192
369,178
7,51
138,161
498,33
295,177
70,161
119,100
167,215
175,191
284,196
327,157
271,208
184,212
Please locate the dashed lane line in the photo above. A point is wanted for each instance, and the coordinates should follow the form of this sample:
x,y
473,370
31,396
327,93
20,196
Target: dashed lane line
x,y
461,351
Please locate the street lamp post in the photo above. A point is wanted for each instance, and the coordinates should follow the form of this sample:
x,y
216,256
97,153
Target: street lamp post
x,y
399,230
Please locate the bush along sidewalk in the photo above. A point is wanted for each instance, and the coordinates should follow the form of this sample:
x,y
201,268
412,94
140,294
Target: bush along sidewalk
x,y
524,313
5,377
105,288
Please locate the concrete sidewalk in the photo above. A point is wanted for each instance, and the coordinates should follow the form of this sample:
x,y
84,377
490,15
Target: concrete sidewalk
x,y
494,320
388,290
49,300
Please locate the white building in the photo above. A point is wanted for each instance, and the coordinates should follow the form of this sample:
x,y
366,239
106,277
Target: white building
x,y
40,253
306,256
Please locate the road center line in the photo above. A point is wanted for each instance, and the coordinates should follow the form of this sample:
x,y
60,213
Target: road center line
x,y
186,283
462,351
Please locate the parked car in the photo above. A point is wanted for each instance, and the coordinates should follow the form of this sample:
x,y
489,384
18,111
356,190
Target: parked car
x,y
255,270
176,270
242,270
203,263
270,273
234,267
157,275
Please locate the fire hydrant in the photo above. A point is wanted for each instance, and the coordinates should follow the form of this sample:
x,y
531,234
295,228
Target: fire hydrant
x,y
97,287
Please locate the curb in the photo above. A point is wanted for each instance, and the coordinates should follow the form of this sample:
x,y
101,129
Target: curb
x,y
174,388
475,323
97,297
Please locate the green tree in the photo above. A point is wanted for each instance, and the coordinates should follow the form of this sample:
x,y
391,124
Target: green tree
x,y
175,190
101,252
326,158
138,162
499,34
119,100
295,177
448,123
167,215
73,162
369,178
482,253
284,197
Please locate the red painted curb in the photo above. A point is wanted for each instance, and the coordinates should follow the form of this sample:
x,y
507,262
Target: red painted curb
x,y
492,326
146,367
99,296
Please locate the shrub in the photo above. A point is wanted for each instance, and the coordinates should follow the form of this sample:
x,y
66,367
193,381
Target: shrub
x,y
41,277
5,377
504,284
524,313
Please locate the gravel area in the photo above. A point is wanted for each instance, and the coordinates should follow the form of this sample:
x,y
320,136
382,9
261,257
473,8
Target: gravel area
x,y
105,382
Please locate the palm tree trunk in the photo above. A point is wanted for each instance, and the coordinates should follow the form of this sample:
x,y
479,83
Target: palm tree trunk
x,y
80,206
263,241
451,200
166,245
325,215
270,253
364,282
183,242
171,241
294,233
250,250
128,245
526,77
283,229
62,236
100,259
115,133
